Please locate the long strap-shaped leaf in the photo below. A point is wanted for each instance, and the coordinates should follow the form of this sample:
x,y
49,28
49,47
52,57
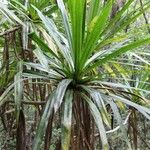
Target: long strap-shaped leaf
x,y
128,20
145,111
59,39
102,53
65,21
95,29
98,120
60,92
66,120
99,102
42,58
52,74
10,13
116,18
77,9
118,52
9,91
118,22
43,122
18,91
95,8
120,122
53,103
42,45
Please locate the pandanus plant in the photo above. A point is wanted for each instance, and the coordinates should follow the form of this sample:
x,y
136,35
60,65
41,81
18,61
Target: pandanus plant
x,y
81,50
71,60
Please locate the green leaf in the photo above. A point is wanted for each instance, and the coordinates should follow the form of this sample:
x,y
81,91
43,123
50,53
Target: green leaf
x,y
65,21
60,92
119,85
102,53
145,111
77,9
100,103
44,121
125,21
117,17
11,14
41,44
42,58
118,52
98,120
117,115
66,120
95,29
54,102
95,7
59,39
18,94
51,72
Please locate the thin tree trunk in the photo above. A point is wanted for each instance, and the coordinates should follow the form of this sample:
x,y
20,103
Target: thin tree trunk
x,y
48,133
145,17
21,133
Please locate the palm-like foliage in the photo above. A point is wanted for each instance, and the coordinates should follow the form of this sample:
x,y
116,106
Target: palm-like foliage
x,y
71,61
